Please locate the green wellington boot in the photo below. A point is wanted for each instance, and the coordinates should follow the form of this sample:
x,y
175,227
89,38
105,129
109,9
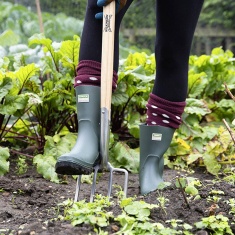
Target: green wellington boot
x,y
85,154
154,141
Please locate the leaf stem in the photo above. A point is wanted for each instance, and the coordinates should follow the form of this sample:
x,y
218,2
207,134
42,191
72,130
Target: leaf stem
x,y
229,92
229,130
19,153
182,191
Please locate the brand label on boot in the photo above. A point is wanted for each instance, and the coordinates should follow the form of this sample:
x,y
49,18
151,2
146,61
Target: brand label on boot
x,y
84,98
156,136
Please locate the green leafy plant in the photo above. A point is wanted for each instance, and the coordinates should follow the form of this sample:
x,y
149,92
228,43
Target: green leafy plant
x,y
162,202
138,209
14,100
198,141
37,102
179,223
136,76
57,109
24,23
55,146
93,213
200,136
4,155
135,217
22,166
214,196
187,186
231,203
218,224
229,175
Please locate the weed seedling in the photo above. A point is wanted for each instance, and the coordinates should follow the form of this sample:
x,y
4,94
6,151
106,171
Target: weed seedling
x,y
93,213
230,175
216,192
22,166
214,199
187,185
231,203
162,202
181,184
217,224
214,196
119,192
100,231
174,222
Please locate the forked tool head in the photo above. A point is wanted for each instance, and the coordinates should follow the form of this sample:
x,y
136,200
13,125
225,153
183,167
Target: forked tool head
x,y
111,170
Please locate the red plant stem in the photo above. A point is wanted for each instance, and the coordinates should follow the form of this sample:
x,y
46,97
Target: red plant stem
x,y
182,191
19,153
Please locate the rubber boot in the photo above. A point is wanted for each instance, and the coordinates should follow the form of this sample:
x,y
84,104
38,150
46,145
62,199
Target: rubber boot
x,y
85,154
154,141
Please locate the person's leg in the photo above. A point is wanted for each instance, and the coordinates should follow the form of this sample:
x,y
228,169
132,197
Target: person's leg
x,y
85,154
89,67
176,22
91,40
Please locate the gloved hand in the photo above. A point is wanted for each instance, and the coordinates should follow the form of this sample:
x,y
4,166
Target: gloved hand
x,y
101,3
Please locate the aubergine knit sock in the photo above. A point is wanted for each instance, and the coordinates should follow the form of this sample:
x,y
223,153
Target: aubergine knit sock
x,y
89,73
163,112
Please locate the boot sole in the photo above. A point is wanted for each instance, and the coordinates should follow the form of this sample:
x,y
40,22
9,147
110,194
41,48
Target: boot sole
x,y
70,168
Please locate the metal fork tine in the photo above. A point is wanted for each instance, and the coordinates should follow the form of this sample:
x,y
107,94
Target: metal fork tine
x,y
112,170
78,186
110,182
93,187
125,181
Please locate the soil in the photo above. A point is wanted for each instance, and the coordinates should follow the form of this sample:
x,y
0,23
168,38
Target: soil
x,y
29,203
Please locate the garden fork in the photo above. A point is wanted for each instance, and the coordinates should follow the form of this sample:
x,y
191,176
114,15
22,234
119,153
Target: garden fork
x,y
106,95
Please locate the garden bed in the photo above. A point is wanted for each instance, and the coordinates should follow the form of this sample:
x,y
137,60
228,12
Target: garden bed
x,y
29,203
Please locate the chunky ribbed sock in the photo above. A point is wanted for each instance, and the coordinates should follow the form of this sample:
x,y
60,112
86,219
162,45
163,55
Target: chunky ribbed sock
x,y
89,73
164,112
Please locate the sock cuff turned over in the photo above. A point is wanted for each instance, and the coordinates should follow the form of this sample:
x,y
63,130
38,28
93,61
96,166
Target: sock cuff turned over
x,y
89,73
164,112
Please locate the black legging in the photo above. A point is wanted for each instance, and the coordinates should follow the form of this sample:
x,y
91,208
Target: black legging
x,y
175,25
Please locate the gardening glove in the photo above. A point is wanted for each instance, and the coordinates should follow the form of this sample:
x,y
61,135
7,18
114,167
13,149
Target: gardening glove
x,y
101,3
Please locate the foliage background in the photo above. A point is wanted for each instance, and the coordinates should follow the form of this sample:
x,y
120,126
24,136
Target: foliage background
x,y
216,14
37,104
